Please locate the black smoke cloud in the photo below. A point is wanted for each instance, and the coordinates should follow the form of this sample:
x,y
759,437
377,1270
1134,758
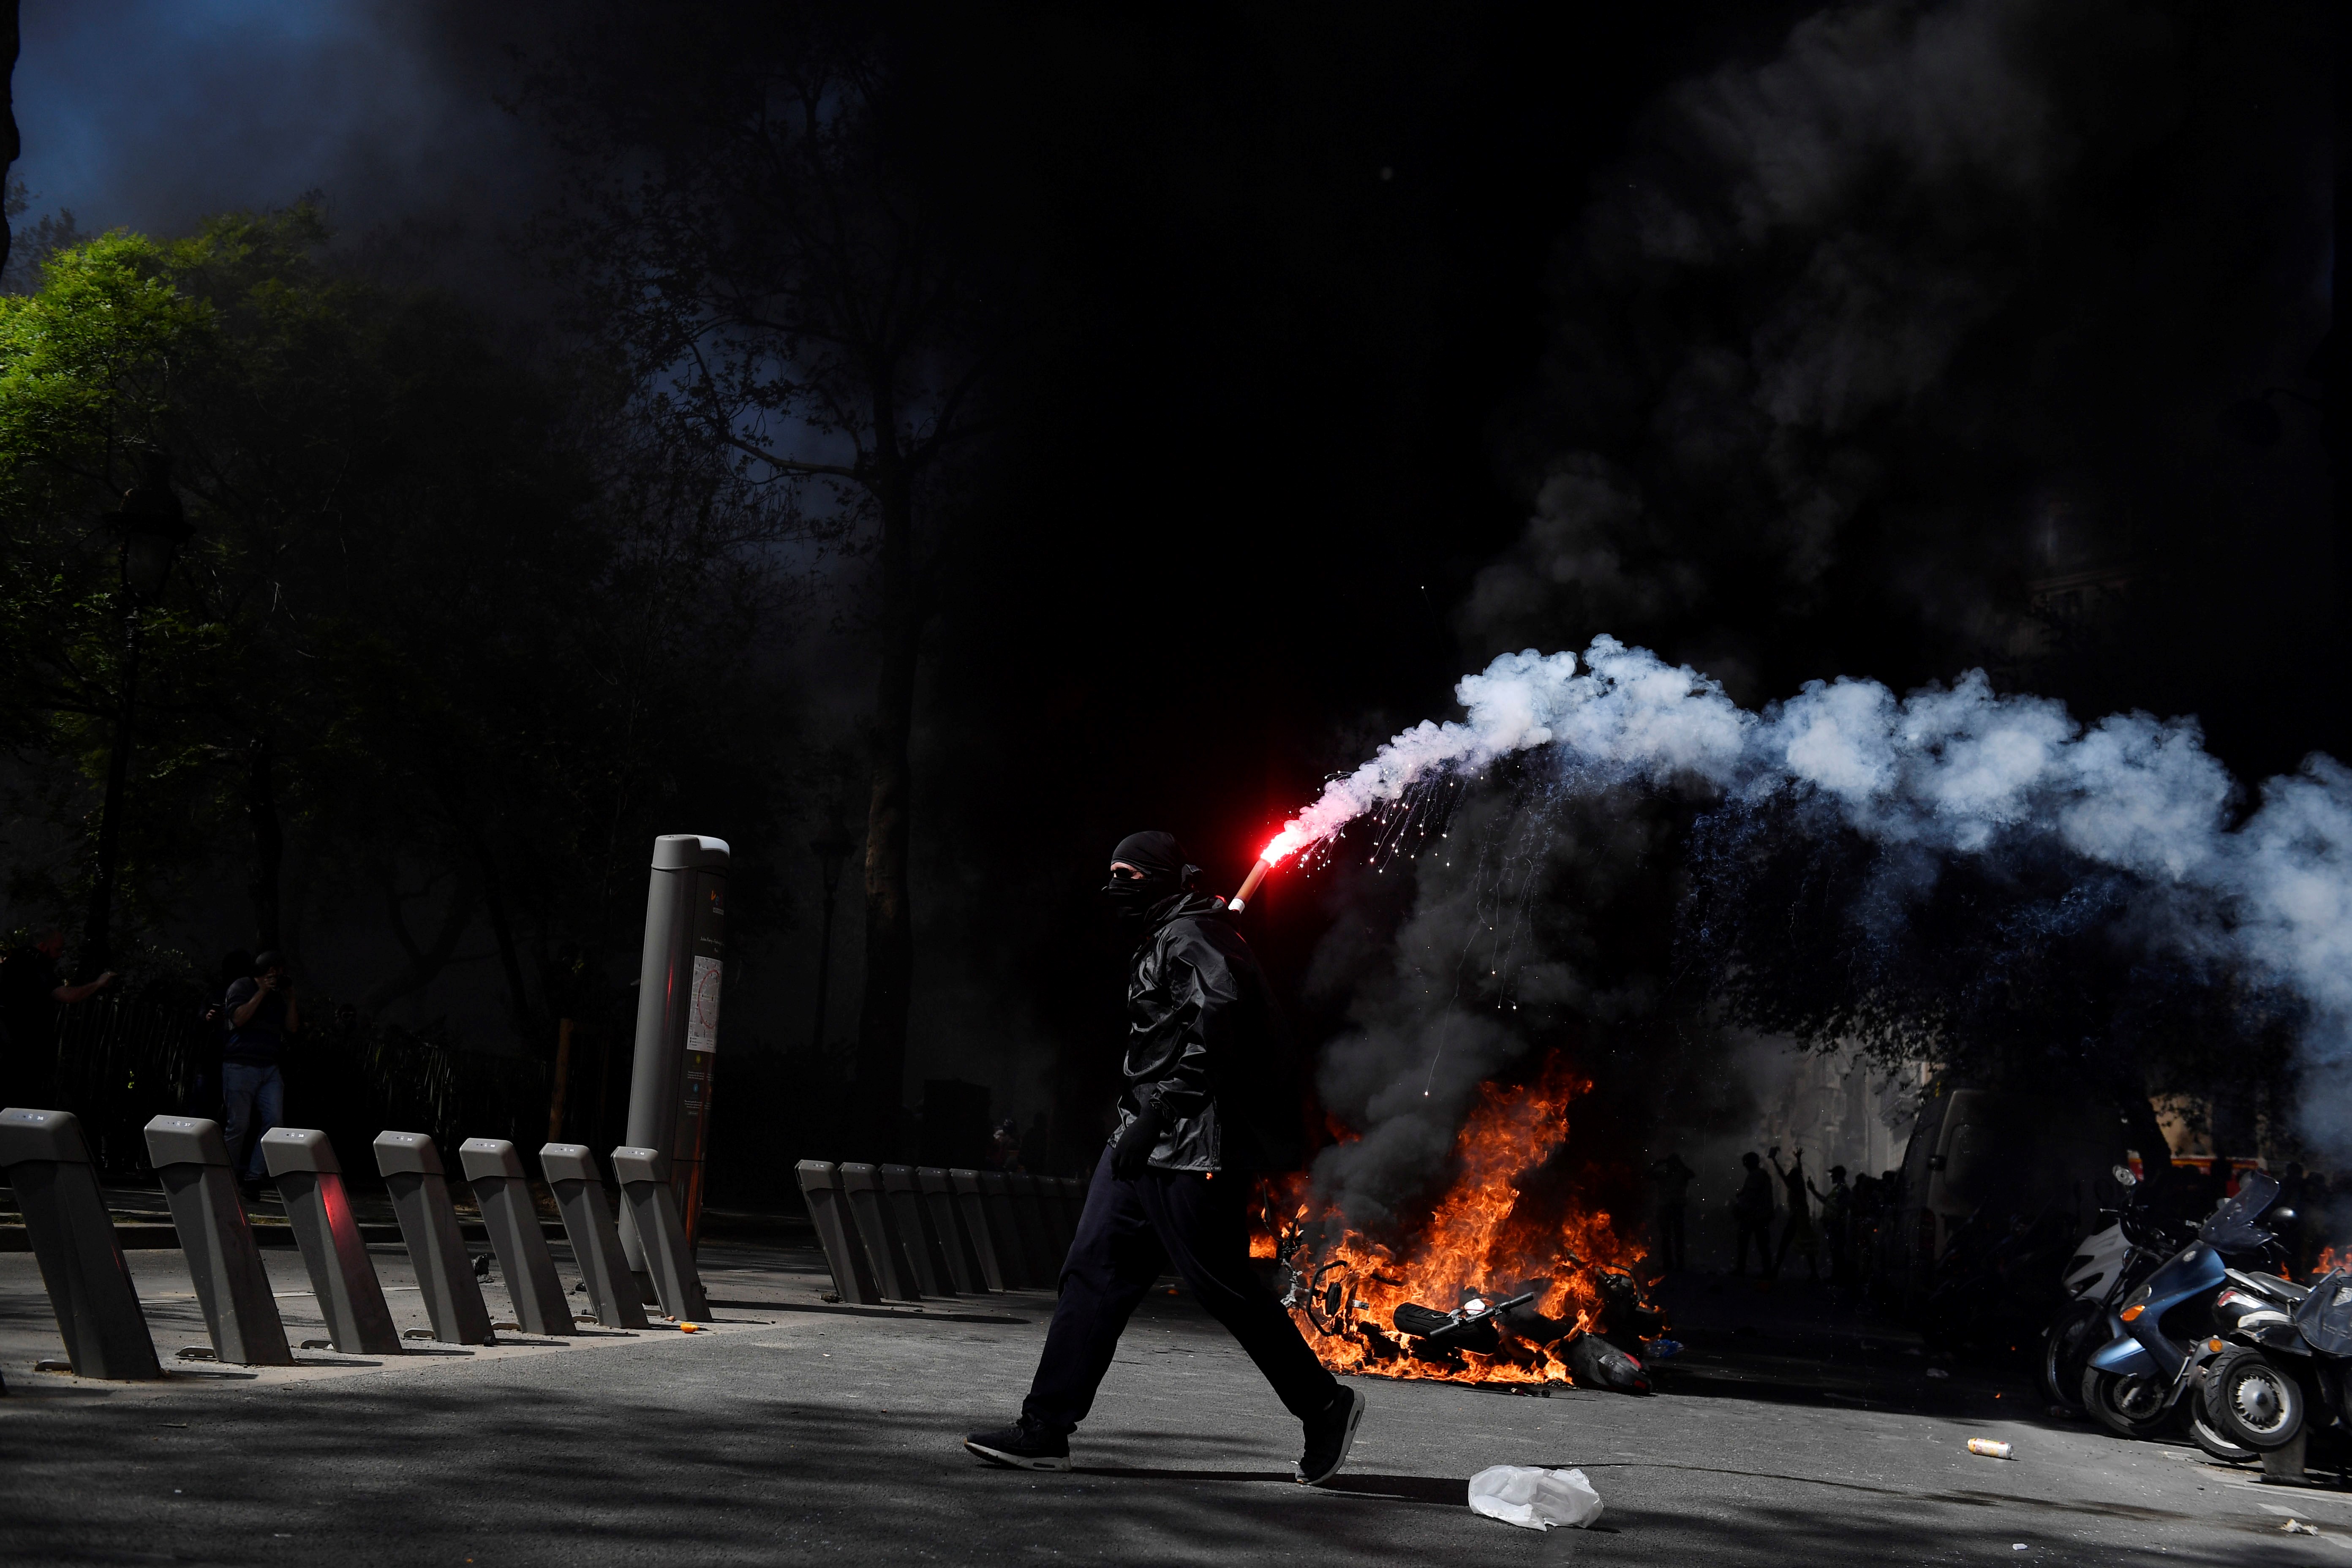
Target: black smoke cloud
x,y
1862,343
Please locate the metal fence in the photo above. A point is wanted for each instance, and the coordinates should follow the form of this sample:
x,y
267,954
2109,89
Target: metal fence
x,y
124,1056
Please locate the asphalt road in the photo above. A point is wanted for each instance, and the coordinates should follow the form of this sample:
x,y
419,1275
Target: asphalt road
x,y
794,1431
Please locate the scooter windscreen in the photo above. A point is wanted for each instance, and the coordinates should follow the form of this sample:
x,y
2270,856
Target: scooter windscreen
x,y
2232,1227
2325,1316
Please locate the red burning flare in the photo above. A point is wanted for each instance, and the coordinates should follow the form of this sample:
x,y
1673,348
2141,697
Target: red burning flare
x,y
1485,1237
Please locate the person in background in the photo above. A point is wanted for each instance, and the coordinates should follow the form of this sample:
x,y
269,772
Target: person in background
x,y
1799,1232
205,1094
1670,1180
1751,1215
1837,1214
262,1013
32,988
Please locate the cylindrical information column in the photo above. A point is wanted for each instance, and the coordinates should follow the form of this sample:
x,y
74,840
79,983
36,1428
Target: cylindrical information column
x,y
677,1016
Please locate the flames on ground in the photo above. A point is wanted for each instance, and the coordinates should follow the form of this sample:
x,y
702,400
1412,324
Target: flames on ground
x,y
1495,1234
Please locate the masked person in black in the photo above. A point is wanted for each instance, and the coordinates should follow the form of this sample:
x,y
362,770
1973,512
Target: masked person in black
x,y
1213,1095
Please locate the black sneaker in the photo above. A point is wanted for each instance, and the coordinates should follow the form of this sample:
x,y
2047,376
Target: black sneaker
x,y
1021,1446
1329,1436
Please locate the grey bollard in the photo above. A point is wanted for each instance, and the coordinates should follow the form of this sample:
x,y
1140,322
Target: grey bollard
x,y
494,1169
971,1207
309,1181
1005,1224
1037,1245
947,1225
828,1206
73,1238
579,1191
878,1229
905,1196
191,1160
653,1209
411,1167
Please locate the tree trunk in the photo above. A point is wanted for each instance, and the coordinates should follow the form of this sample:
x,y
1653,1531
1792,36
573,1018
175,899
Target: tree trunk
x,y
494,904
269,842
889,922
424,962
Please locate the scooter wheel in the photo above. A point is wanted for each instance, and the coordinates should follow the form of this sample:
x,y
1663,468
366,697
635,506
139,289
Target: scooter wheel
x,y
2065,1345
2129,1406
2208,1436
2252,1400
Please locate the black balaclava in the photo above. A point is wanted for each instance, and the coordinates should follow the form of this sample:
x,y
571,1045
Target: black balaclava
x,y
1167,871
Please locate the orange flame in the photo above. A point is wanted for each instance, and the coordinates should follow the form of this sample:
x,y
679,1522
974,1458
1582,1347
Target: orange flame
x,y
1485,1237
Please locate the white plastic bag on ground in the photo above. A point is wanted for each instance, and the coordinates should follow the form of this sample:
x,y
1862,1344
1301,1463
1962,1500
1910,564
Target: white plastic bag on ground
x,y
1533,1498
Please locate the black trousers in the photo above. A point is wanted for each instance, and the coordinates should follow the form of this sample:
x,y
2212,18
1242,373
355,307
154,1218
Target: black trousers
x,y
1128,1232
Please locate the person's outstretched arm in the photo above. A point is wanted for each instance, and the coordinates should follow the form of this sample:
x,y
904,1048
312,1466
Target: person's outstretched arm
x,y
70,994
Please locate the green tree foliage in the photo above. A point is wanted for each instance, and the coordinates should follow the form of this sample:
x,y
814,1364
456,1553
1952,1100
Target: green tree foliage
x,y
454,637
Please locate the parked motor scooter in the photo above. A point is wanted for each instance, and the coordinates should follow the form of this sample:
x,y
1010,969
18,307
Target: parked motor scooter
x,y
2288,1370
2165,1330
2109,1264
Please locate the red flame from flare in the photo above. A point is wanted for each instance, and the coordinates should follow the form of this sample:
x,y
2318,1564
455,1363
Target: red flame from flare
x,y
1486,1235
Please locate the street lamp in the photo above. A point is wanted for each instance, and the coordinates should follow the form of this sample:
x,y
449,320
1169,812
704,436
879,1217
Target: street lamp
x,y
831,849
152,528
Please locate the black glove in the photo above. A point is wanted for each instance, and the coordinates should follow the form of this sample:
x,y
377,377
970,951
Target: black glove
x,y
1131,1155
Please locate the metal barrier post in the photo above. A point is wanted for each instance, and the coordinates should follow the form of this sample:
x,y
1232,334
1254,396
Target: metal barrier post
x,y
73,1238
310,1182
494,1169
1005,1226
411,1167
947,1225
653,1208
971,1207
869,1206
678,973
900,1191
191,1160
595,1241
828,1206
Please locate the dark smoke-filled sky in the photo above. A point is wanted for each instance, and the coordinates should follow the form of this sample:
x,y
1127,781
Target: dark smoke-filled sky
x,y
1792,341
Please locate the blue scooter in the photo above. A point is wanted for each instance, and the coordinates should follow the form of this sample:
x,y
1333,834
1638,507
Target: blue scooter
x,y
2133,1383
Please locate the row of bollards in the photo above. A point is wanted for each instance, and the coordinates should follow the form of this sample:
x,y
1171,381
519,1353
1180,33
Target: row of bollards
x,y
47,1162
905,1232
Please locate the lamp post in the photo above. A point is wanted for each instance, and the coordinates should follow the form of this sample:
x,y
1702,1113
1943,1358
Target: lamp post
x,y
831,849
152,528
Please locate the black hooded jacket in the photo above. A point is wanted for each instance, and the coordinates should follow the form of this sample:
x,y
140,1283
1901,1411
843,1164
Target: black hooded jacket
x,y
1206,1041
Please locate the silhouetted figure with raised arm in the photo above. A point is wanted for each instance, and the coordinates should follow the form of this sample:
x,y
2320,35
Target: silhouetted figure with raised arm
x,y
1798,1231
1837,1224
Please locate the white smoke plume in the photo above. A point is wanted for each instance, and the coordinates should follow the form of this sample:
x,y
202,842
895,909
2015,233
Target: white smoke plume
x,y
1962,770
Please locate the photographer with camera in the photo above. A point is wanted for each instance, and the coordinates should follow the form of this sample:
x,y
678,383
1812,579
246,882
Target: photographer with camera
x,y
262,1012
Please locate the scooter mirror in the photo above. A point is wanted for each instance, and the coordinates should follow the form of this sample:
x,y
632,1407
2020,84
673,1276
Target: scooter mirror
x,y
2124,1177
